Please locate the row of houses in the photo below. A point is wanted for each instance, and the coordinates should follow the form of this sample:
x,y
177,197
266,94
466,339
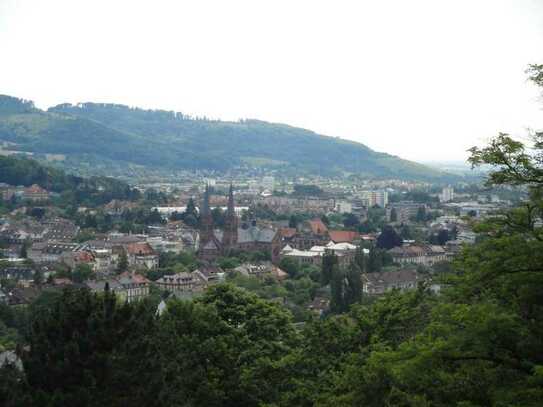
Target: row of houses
x,y
345,253
420,254
314,232
102,256
33,193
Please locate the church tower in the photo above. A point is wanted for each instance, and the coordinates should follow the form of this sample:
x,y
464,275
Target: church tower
x,y
206,220
230,236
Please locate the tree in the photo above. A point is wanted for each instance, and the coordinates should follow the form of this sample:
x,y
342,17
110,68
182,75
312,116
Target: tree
x,y
218,217
350,220
293,221
38,278
81,273
405,232
290,266
154,218
421,214
361,259
190,216
227,345
337,285
393,215
83,342
325,220
388,238
329,260
122,265
23,253
375,263
443,237
353,285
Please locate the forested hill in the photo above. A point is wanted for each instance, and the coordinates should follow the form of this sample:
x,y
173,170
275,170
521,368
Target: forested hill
x,y
168,140
71,189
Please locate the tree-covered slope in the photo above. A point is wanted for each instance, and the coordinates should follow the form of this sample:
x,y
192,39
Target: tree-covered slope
x,y
71,189
169,140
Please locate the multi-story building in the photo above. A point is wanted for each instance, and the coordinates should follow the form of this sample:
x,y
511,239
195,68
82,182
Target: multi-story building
x,y
42,252
404,210
447,194
179,283
372,198
345,253
426,255
268,183
135,285
35,193
379,283
141,255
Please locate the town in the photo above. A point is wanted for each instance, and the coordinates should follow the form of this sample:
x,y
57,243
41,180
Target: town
x,y
273,236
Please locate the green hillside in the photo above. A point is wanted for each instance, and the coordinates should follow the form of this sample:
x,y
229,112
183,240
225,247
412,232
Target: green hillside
x,y
72,189
168,140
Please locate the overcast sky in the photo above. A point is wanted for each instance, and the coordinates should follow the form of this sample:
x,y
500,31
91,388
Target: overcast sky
x,y
424,80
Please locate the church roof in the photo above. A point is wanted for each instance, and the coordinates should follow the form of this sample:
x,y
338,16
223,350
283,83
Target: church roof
x,y
255,234
211,245
317,226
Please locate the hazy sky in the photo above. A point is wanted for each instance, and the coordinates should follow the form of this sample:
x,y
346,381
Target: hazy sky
x,y
424,80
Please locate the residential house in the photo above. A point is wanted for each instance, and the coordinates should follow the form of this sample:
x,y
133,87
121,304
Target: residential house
x,y
319,305
35,193
344,251
180,282
209,274
426,255
43,252
74,258
141,255
261,270
135,285
379,283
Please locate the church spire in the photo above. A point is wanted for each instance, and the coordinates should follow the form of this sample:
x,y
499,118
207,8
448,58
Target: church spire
x,y
231,210
205,203
230,235
206,220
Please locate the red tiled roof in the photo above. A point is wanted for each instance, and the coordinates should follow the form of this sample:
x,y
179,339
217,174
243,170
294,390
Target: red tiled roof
x,y
84,257
137,278
342,236
35,189
318,227
288,232
140,249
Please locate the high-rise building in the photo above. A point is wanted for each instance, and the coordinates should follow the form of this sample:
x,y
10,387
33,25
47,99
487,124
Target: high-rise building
x,y
268,183
447,194
372,198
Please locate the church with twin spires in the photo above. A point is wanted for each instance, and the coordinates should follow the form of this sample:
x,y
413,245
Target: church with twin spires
x,y
215,243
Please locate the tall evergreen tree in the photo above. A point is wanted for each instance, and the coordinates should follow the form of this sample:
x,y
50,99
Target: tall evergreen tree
x,y
122,265
337,286
388,238
393,215
329,260
353,285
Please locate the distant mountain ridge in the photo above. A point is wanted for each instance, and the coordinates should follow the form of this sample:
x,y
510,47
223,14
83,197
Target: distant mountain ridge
x,y
173,141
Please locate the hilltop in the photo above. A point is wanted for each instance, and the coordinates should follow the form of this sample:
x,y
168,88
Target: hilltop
x,y
92,133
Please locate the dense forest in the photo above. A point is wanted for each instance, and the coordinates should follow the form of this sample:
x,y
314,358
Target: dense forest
x,y
105,133
477,343
72,189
